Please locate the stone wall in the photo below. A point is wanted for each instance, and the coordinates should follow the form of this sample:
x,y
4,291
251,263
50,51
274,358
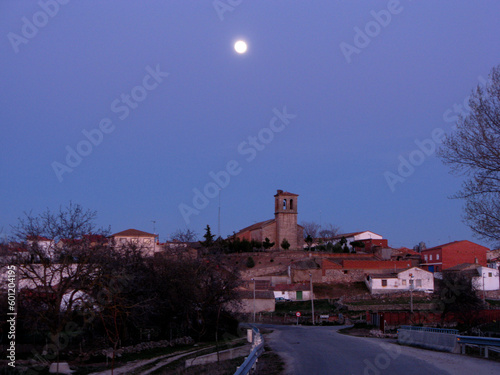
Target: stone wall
x,y
287,228
343,276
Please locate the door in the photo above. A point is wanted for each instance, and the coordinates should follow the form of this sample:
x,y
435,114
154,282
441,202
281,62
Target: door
x,y
431,268
299,295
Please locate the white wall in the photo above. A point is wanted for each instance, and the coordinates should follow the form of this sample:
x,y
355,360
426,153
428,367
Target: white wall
x,y
490,282
422,281
292,295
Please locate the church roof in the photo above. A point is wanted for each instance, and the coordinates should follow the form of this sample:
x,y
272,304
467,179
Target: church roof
x,y
132,233
258,225
281,192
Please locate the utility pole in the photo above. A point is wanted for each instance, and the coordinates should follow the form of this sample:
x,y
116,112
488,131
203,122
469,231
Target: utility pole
x,y
253,300
484,297
312,296
411,293
218,227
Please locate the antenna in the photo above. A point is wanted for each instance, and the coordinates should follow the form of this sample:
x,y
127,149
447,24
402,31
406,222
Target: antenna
x,y
154,226
218,226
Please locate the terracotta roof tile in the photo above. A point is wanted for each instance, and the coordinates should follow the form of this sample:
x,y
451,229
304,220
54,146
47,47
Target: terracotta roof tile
x,y
132,233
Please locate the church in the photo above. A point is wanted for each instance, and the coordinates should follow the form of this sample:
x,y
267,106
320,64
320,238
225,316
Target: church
x,y
283,226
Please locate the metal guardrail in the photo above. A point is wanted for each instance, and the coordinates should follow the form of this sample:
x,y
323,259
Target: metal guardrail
x,y
485,344
430,329
475,340
258,348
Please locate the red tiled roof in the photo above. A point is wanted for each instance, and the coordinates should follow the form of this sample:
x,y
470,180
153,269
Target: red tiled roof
x,y
37,238
290,287
451,243
281,192
374,264
259,294
258,225
132,233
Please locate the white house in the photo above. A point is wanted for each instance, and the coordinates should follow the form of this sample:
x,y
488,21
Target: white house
x,y
399,281
145,241
487,279
293,292
46,246
354,236
483,278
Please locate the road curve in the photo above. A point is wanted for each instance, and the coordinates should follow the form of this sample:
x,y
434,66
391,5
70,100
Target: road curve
x,y
322,350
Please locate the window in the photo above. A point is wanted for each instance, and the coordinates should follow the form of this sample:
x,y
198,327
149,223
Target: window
x,y
147,241
425,257
284,204
404,282
123,240
430,257
419,283
291,204
384,282
437,256
490,274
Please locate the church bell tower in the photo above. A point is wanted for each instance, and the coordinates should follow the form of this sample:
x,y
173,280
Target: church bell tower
x,y
285,214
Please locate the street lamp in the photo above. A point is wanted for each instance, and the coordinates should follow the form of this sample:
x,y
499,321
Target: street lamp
x,y
484,298
253,299
312,295
411,293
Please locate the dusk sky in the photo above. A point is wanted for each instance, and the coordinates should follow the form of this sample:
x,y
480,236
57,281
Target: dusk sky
x,y
131,108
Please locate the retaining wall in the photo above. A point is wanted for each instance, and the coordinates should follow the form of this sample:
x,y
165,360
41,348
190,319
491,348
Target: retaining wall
x,y
445,342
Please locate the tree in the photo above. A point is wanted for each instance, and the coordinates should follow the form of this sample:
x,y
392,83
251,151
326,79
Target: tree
x,y
328,231
65,249
311,228
285,244
186,235
267,244
208,236
458,297
309,240
473,150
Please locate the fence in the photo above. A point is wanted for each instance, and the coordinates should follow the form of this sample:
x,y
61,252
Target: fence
x,y
257,349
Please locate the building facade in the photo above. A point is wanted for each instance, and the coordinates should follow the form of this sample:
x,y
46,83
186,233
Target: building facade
x,y
414,278
440,258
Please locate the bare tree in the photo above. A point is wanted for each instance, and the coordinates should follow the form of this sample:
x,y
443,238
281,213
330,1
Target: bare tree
x,y
328,231
311,228
184,235
62,266
474,151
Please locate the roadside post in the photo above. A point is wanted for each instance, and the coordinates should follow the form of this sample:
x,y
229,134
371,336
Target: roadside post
x,y
297,314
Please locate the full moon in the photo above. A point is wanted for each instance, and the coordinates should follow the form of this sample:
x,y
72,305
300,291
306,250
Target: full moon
x,y
240,46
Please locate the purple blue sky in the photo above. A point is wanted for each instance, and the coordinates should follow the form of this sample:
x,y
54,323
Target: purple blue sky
x,y
358,113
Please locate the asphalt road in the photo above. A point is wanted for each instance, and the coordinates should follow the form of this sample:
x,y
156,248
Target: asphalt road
x,y
322,350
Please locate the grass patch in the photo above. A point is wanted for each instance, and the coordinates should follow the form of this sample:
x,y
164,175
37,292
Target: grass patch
x,y
270,363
